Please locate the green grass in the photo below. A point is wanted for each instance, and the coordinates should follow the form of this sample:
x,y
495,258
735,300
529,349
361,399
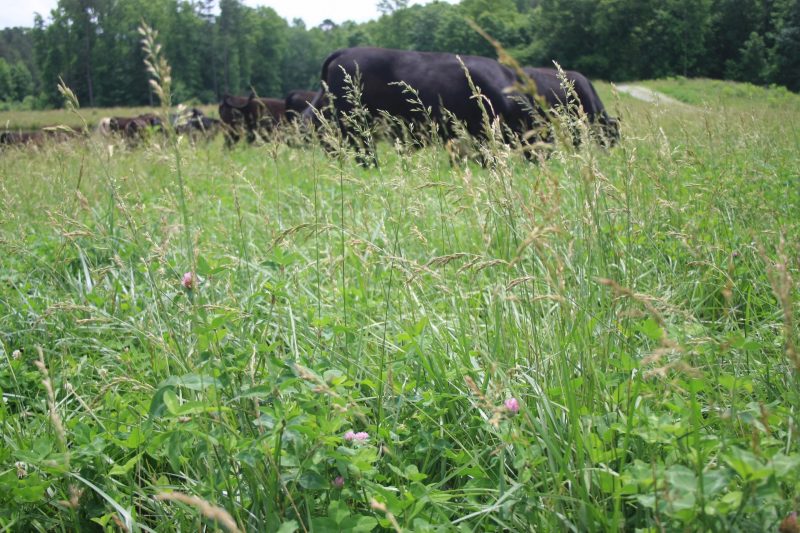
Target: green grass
x,y
638,303
724,94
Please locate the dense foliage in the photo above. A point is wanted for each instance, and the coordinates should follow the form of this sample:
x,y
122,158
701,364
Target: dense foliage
x,y
600,341
229,47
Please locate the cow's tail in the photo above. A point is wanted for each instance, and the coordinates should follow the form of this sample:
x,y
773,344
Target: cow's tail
x,y
320,100
328,61
320,97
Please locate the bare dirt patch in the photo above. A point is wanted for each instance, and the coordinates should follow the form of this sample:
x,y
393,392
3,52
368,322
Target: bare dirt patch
x,y
648,95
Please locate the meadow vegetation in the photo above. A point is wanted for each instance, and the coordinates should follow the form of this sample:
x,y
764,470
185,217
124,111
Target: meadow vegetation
x,y
344,351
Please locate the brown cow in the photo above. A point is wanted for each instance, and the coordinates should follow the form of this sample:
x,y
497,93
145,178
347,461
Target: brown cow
x,y
132,128
38,137
21,137
250,114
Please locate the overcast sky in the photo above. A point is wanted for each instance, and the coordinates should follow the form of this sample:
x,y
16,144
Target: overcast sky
x,y
20,12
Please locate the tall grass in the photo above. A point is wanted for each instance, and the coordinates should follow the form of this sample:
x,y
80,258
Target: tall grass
x,y
638,302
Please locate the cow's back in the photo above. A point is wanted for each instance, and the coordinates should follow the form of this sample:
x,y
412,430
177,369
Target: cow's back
x,y
438,78
550,86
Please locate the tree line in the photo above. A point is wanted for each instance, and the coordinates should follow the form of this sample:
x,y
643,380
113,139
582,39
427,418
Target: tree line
x,y
226,47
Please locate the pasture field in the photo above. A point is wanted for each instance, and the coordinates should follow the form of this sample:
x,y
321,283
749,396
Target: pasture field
x,y
601,341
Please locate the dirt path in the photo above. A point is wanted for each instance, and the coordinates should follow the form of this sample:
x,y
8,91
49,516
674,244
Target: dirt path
x,y
648,95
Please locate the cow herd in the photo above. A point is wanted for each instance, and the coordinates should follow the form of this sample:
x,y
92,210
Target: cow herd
x,y
419,91
410,89
190,121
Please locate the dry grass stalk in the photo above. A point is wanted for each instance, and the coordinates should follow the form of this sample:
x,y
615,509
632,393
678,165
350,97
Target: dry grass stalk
x,y
445,259
120,524
210,511
668,346
320,387
678,366
527,85
156,65
643,299
485,403
782,286
51,399
74,492
378,506
74,498
537,237
479,263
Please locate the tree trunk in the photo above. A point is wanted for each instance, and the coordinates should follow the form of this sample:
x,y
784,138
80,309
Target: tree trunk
x,y
88,58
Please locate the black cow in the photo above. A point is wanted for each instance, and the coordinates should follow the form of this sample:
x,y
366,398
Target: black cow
x,y
439,80
250,114
297,102
550,87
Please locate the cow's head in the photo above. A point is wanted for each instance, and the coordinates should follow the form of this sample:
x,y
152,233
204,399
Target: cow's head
x,y
231,117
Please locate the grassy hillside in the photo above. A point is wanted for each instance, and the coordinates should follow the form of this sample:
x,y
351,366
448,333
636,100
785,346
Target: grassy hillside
x,y
604,340
724,93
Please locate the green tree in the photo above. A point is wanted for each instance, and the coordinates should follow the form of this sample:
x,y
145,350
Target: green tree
x,y
81,16
120,76
564,30
455,36
51,45
269,43
21,81
6,82
17,45
674,40
305,52
183,43
731,25
786,67
427,20
232,41
752,65
387,7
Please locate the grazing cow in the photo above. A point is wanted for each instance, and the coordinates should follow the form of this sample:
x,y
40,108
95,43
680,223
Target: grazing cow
x,y
249,113
50,133
194,121
132,128
10,138
550,87
440,82
297,102
104,126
